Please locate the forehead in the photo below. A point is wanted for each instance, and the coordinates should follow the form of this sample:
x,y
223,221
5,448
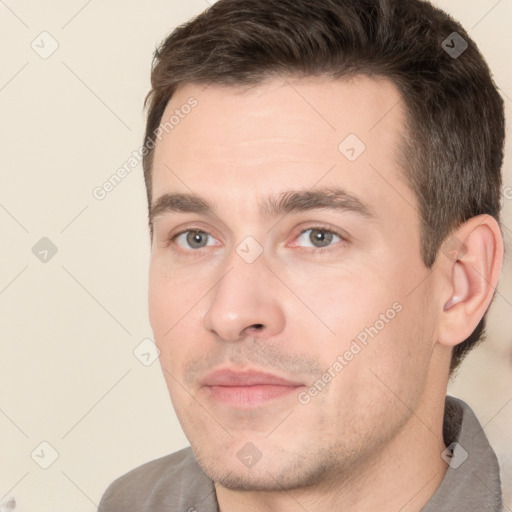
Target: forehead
x,y
282,134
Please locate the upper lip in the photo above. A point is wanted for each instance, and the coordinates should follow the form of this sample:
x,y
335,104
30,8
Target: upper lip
x,y
228,377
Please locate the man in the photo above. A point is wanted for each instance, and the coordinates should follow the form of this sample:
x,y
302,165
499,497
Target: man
x,y
323,182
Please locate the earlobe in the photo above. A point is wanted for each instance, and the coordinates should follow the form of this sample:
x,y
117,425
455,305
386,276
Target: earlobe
x,y
471,277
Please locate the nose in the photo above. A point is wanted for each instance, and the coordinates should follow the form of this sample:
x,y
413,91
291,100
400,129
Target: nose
x,y
245,302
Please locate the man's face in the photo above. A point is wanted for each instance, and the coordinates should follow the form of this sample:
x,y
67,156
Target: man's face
x,y
295,341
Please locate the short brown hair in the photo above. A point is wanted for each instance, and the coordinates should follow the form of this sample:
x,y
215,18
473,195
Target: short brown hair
x,y
452,150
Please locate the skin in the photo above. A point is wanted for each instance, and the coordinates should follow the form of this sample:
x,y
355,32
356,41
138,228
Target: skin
x,y
371,439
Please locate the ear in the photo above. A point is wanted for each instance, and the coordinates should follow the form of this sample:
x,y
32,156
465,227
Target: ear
x,y
470,263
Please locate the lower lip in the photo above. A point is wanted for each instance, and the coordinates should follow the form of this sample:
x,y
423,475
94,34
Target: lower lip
x,y
250,396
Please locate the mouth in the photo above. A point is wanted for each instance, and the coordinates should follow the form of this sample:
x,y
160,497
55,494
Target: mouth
x,y
247,389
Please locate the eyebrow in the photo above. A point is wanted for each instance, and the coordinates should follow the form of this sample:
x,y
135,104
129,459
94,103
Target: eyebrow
x,y
290,201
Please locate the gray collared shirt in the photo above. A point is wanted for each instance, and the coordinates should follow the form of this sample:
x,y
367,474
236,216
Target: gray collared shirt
x,y
176,482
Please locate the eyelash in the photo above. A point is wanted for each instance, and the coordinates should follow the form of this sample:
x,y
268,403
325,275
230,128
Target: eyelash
x,y
314,250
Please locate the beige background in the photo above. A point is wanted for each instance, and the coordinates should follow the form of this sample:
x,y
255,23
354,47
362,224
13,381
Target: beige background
x,y
69,326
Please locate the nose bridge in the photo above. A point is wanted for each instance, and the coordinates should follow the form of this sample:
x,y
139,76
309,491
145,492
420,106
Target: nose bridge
x,y
245,296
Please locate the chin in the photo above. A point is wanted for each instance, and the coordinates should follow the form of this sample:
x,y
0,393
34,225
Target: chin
x,y
276,470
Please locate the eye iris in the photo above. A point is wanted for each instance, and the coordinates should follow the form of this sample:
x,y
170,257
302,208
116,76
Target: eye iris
x,y
196,239
319,235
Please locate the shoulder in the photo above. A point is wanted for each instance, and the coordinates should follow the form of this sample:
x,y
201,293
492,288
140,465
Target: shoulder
x,y
175,480
472,479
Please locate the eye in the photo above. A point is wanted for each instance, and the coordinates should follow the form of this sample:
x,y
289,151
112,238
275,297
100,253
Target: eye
x,y
319,237
192,239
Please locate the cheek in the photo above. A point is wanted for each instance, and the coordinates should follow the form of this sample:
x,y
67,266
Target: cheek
x,y
347,301
167,309
175,313
161,304
377,324
170,298
397,360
